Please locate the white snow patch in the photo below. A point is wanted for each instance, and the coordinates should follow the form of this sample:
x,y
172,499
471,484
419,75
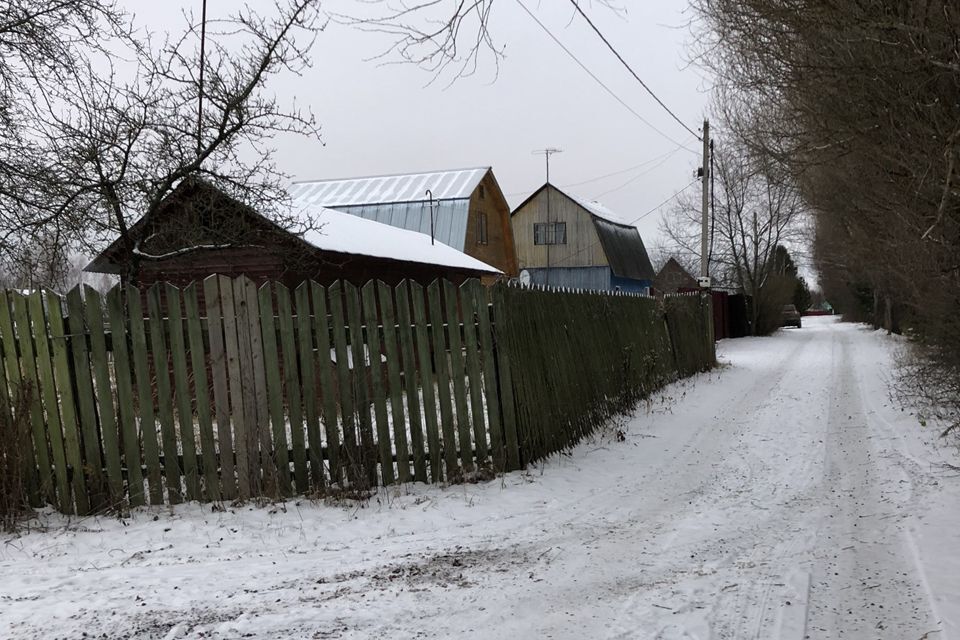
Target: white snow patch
x,y
346,233
781,494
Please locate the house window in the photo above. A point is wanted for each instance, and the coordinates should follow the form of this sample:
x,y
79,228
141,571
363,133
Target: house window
x,y
482,228
480,192
550,233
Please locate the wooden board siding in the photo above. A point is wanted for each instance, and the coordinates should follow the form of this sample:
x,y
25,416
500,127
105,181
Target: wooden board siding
x,y
499,250
583,248
280,264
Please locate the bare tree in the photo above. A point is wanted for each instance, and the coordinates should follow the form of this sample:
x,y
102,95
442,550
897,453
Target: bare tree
x,y
438,36
122,133
858,101
757,210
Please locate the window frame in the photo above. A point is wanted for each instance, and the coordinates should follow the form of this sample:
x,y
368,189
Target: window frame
x,y
549,233
483,231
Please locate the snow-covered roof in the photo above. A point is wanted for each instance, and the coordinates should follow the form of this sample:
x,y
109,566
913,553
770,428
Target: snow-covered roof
x,y
346,233
600,210
412,187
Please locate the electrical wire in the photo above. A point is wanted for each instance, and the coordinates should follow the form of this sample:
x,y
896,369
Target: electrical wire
x,y
666,155
639,175
599,81
630,69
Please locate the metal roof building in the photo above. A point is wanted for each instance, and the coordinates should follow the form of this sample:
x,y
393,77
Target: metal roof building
x,y
469,210
402,200
563,240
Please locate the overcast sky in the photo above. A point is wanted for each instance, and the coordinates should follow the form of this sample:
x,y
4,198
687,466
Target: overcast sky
x,y
380,119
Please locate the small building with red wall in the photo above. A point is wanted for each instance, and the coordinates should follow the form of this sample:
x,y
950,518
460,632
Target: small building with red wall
x,y
199,231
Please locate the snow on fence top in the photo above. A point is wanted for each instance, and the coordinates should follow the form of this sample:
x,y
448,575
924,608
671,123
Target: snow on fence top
x,y
346,233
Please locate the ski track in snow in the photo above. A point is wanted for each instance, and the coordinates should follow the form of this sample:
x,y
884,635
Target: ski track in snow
x,y
782,496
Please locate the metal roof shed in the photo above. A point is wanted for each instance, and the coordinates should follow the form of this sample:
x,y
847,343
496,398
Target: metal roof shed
x,y
469,210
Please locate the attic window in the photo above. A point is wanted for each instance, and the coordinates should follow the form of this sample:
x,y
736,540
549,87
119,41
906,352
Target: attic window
x,y
207,217
481,193
550,233
482,237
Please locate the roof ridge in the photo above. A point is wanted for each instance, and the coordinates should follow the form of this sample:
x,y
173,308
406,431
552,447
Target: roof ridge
x,y
393,175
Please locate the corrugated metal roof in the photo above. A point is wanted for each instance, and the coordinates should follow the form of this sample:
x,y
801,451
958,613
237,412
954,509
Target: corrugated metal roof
x,y
450,218
412,187
400,200
624,249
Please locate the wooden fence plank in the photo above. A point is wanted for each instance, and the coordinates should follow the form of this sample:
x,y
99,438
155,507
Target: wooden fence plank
x,y
407,348
360,374
392,354
384,442
291,377
8,338
125,400
474,377
181,383
308,379
441,366
350,450
201,392
107,412
256,403
28,369
280,456
161,368
148,421
48,393
221,394
6,411
505,379
93,463
459,374
427,387
328,388
478,299
237,377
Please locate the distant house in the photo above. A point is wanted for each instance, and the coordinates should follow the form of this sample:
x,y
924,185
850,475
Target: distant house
x,y
199,230
469,211
565,241
673,278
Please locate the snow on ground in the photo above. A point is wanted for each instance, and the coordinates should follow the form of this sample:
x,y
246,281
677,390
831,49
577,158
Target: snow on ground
x,y
783,496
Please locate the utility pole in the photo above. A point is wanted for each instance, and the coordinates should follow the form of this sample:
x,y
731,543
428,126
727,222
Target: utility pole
x,y
546,153
705,210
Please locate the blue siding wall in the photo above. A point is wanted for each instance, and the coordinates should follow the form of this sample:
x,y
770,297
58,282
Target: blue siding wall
x,y
592,278
631,286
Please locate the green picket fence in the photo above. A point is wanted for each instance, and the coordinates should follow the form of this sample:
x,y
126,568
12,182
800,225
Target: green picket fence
x,y
224,390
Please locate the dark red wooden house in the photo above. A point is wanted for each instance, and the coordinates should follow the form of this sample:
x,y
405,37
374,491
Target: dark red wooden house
x,y
199,230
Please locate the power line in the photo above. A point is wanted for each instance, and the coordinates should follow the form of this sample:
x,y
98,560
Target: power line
x,y
656,208
632,222
668,154
645,163
630,69
598,80
639,175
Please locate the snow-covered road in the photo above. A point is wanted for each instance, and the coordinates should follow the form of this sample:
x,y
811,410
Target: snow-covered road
x,y
782,496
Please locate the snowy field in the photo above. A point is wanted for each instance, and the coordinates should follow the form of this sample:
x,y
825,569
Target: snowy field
x,y
783,496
